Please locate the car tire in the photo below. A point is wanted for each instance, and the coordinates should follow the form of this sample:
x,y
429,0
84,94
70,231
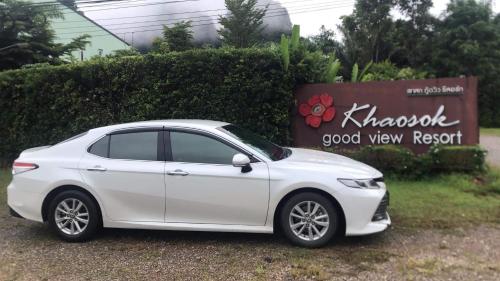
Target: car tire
x,y
303,227
73,216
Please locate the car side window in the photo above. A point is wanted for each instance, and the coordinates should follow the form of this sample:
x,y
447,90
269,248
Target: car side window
x,y
100,148
195,148
134,146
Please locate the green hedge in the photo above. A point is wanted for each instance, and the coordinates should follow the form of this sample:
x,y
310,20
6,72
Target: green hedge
x,y
458,158
400,161
46,104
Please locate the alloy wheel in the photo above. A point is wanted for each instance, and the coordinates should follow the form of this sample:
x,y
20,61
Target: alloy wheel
x,y
309,220
71,216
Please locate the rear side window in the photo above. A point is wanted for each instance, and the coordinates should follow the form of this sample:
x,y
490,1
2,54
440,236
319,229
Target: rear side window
x,y
100,148
134,146
194,148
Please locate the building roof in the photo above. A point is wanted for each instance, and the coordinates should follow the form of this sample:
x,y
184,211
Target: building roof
x,y
98,25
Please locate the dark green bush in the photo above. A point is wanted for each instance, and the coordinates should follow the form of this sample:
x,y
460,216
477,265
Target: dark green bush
x,y
46,104
458,158
386,70
400,161
388,158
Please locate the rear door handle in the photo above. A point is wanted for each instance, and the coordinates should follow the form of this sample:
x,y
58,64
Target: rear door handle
x,y
97,168
177,172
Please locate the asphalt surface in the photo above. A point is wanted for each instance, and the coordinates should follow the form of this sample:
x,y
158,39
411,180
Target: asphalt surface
x,y
492,144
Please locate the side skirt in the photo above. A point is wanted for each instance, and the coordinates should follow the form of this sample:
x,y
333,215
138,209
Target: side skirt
x,y
189,227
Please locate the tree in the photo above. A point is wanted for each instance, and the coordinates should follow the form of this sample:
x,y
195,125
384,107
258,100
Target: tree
x,y
325,42
468,43
244,25
179,37
412,36
365,32
26,36
371,34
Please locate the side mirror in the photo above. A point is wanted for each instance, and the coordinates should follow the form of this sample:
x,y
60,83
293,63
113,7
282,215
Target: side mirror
x,y
241,160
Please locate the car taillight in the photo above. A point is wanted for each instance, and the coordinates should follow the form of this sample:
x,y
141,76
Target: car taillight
x,y
21,167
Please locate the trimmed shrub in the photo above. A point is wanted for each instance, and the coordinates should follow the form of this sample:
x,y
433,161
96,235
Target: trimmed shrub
x,y
400,161
458,158
47,104
388,158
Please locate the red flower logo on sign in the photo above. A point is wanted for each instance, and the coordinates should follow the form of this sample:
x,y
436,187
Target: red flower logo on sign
x,y
319,108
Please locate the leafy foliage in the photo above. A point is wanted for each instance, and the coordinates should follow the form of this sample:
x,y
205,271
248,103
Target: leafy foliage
x,y
468,43
365,32
400,161
332,70
243,86
124,53
324,42
354,73
243,26
306,66
463,41
388,71
285,52
27,38
458,158
295,38
179,37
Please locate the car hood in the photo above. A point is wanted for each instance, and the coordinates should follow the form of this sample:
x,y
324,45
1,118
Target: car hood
x,y
343,166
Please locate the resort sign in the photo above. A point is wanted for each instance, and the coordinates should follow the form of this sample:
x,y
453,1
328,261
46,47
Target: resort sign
x,y
375,113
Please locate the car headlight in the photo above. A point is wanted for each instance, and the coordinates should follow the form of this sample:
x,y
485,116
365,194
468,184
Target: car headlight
x,y
364,183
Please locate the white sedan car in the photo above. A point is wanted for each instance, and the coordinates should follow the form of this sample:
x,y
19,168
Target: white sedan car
x,y
195,175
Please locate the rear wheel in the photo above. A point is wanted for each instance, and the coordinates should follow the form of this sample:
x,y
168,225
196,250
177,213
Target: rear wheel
x,y
73,216
309,219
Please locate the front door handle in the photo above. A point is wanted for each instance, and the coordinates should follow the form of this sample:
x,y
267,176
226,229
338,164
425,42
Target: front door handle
x,y
97,168
177,172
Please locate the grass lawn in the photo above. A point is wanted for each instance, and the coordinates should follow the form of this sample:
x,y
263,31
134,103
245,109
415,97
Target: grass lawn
x,y
5,176
445,201
437,202
490,131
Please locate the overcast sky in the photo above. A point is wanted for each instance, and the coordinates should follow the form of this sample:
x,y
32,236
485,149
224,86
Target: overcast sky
x,y
139,21
330,11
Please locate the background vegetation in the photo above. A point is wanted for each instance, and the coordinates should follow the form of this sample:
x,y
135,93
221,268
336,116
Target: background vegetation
x,y
401,162
26,36
39,106
178,79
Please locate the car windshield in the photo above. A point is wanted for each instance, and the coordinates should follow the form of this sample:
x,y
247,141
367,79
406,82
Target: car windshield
x,y
271,150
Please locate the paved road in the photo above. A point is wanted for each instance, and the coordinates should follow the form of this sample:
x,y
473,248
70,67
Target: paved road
x,y
492,144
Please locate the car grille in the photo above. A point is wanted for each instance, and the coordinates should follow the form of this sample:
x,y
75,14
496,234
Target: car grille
x,y
381,212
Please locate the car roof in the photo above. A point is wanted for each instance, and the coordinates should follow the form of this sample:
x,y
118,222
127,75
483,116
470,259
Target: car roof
x,y
187,123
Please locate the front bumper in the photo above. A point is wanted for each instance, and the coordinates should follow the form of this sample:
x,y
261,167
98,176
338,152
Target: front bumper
x,y
372,227
381,212
366,211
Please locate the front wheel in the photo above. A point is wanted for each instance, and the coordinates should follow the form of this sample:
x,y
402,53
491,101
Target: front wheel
x,y
73,216
309,219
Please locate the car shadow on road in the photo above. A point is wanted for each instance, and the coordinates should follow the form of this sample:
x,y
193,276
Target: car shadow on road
x,y
25,230
254,239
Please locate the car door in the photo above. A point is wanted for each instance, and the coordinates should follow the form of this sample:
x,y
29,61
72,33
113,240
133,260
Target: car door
x,y
127,170
202,186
